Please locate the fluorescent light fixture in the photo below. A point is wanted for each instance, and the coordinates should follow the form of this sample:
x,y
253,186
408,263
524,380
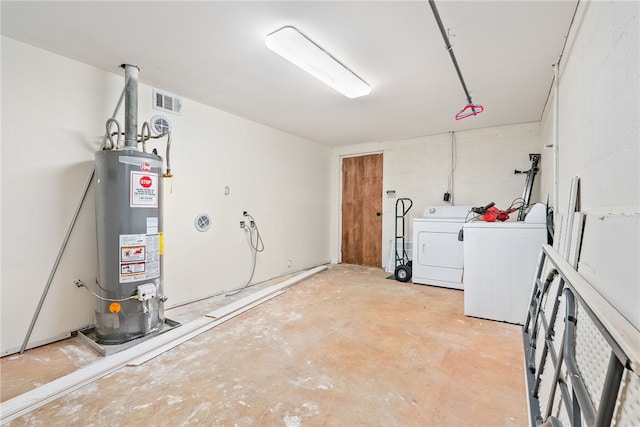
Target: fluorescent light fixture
x,y
298,49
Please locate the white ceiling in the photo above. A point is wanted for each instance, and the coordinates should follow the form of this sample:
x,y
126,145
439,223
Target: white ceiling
x,y
214,52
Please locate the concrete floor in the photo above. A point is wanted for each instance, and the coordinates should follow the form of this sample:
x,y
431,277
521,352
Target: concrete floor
x,y
346,347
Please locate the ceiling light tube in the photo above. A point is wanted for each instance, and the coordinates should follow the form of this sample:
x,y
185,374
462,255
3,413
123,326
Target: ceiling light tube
x,y
298,49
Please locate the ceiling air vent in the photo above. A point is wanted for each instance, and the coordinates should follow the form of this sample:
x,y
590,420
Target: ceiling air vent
x,y
166,102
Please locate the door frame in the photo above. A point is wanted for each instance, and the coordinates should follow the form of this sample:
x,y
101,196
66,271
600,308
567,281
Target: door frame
x,y
340,158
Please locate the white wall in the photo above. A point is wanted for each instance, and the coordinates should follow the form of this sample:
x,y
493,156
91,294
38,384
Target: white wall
x,y
419,169
599,114
599,141
53,115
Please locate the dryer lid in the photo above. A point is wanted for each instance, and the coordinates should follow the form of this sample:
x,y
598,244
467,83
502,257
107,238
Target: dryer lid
x,y
458,212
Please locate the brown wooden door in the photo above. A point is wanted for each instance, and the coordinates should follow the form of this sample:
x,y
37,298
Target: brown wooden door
x,y
362,210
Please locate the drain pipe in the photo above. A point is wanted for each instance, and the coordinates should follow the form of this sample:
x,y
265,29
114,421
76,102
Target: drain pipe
x,y
131,107
556,161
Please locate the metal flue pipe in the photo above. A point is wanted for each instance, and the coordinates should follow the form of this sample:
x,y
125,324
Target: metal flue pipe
x,y
131,106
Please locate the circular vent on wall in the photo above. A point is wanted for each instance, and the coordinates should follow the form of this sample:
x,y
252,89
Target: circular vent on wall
x,y
160,124
202,222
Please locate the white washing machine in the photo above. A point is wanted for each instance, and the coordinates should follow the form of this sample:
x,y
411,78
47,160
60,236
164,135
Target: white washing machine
x,y
437,253
499,268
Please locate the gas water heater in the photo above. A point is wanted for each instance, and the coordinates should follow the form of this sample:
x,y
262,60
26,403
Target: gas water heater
x,y
129,230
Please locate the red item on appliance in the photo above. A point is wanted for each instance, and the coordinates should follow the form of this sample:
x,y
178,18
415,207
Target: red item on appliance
x,y
494,214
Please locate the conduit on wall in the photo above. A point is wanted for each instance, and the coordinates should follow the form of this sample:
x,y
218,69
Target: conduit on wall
x,y
556,161
449,196
555,139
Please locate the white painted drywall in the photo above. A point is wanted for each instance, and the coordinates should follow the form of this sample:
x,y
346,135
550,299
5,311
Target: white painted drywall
x,y
53,116
419,169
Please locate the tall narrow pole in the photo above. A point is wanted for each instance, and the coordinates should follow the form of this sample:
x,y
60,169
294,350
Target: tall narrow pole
x,y
432,3
66,237
556,138
57,261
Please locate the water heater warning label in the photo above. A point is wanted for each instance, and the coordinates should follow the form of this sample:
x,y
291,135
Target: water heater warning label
x,y
139,257
132,269
144,190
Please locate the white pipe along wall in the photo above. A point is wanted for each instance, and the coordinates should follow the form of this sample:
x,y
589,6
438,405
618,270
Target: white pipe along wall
x,y
58,111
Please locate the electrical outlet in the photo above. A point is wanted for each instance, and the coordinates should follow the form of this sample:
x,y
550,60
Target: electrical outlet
x,y
242,224
245,213
252,224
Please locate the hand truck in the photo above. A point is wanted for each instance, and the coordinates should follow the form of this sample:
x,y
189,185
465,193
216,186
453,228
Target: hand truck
x,y
403,265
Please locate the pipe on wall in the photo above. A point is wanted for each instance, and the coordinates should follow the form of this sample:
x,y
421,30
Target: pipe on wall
x,y
556,162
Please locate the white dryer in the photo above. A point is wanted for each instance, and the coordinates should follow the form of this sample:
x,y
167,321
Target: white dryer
x,y
437,253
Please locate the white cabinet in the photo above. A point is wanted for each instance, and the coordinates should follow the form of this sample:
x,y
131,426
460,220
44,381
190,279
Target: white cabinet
x,y
499,268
